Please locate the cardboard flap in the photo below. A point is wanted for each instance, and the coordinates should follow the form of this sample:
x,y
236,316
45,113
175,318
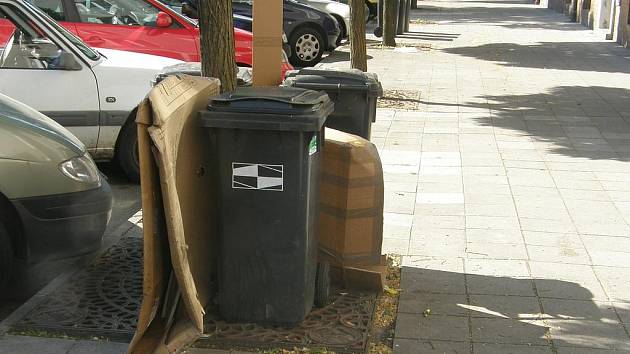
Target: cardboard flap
x,y
156,261
183,160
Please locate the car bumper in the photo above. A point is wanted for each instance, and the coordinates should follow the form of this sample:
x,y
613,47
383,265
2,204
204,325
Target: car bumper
x,y
64,225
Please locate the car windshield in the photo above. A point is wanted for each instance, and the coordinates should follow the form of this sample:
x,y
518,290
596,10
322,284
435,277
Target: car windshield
x,y
87,51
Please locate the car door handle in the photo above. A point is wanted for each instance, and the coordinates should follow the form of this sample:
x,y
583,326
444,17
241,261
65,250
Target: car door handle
x,y
95,40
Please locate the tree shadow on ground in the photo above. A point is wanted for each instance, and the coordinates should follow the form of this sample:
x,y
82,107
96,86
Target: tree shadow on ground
x,y
590,122
582,56
429,36
516,17
445,311
340,56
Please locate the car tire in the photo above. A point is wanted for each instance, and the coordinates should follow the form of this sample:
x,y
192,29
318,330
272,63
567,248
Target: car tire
x,y
127,151
307,47
6,257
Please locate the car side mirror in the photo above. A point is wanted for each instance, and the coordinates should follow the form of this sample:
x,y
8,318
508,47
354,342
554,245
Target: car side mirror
x,y
163,20
67,61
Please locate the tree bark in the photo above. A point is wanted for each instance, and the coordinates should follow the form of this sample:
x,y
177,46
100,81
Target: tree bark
x,y
390,12
217,42
414,4
358,55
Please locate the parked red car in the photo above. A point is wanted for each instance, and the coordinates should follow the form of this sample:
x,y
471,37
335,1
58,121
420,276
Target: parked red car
x,y
143,26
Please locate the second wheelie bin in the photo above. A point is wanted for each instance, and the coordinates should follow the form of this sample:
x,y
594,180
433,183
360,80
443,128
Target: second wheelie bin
x,y
353,91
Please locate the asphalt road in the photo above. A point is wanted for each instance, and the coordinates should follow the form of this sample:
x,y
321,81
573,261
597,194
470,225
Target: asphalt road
x,y
30,279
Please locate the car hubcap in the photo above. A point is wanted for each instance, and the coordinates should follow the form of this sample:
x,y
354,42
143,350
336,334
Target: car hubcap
x,y
307,47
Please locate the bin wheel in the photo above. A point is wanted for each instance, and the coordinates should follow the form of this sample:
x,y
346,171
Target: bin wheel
x,y
378,32
322,284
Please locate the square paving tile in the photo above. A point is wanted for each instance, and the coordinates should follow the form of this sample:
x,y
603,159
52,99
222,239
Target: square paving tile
x,y
493,348
615,282
415,346
436,304
496,251
501,306
432,327
589,310
590,334
573,280
564,254
509,331
421,280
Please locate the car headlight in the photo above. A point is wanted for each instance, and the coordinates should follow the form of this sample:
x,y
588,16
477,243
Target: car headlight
x,y
81,169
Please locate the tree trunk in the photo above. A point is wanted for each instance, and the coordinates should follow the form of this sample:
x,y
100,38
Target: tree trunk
x,y
414,4
358,55
390,12
217,42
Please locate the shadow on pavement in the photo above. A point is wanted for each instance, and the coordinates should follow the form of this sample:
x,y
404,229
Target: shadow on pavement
x,y
590,122
441,310
582,56
427,36
340,56
498,13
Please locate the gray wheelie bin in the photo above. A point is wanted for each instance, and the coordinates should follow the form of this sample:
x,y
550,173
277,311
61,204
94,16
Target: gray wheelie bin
x,y
267,144
354,93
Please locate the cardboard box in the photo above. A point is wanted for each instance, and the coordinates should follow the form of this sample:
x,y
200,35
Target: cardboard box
x,y
267,46
178,208
351,207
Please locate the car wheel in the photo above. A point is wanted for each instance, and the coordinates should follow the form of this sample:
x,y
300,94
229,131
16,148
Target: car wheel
x,y
127,152
307,47
6,256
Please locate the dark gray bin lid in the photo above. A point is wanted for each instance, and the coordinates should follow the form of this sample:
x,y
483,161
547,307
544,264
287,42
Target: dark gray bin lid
x,y
268,108
332,79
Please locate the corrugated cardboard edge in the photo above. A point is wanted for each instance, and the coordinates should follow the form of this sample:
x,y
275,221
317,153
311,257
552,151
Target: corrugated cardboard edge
x,y
165,98
149,332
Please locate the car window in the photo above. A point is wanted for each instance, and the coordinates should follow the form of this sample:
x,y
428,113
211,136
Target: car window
x,y
53,8
242,23
117,12
78,43
25,45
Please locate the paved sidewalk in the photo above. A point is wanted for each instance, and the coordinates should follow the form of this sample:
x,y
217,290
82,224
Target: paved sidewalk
x,y
509,191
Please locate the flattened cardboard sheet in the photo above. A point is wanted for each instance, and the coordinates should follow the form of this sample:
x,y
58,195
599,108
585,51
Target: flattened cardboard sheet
x,y
178,209
184,162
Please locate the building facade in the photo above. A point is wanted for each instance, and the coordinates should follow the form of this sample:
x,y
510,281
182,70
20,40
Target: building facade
x,y
610,18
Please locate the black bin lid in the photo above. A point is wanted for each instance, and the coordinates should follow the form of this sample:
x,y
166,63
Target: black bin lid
x,y
268,108
335,80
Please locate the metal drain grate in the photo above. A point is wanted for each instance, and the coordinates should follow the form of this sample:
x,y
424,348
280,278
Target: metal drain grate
x,y
342,327
102,300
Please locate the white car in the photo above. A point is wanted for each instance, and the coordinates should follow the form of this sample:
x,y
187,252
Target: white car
x,y
340,11
93,93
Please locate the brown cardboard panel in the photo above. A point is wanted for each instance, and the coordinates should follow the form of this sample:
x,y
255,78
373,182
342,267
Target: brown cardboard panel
x,y
267,30
351,209
156,265
184,155
358,278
